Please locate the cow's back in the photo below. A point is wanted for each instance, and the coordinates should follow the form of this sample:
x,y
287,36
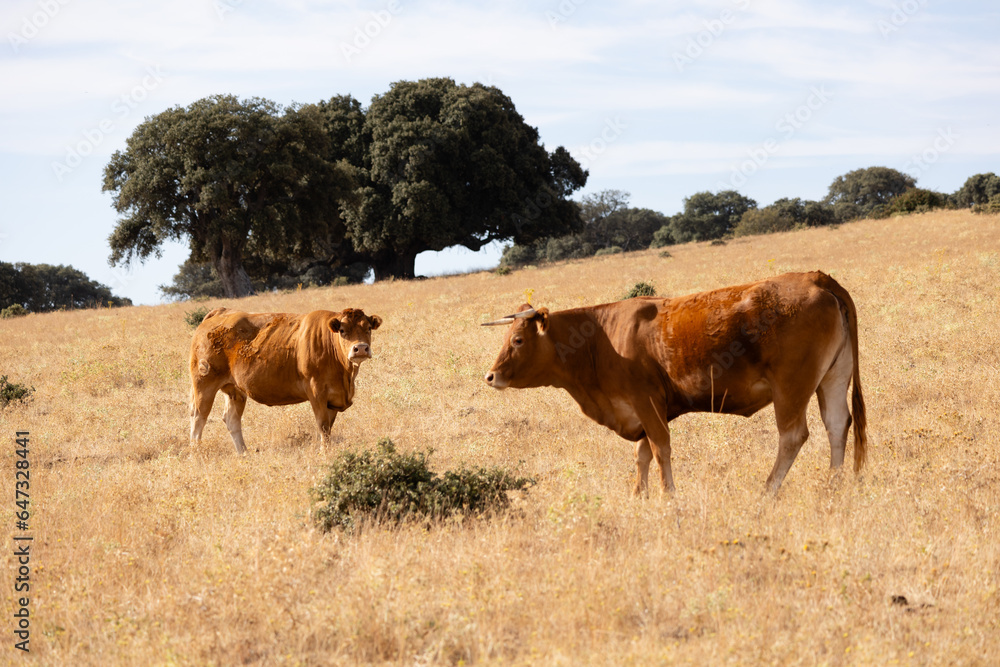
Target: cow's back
x,y
256,352
729,342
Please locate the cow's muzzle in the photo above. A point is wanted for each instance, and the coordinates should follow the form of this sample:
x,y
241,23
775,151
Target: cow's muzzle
x,y
360,352
495,381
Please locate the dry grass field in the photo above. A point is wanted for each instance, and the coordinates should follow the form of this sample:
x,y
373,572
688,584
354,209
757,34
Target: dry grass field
x,y
149,552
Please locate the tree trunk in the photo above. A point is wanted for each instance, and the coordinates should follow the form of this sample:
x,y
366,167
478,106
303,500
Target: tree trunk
x,y
398,265
229,265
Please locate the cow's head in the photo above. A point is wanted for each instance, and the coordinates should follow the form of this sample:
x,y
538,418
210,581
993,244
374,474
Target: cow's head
x,y
527,354
355,333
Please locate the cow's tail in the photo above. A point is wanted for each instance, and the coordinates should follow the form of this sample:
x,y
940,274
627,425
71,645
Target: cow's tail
x,y
857,397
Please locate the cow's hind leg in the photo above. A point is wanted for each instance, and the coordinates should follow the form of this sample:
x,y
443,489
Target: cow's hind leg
x,y
201,406
792,433
832,395
236,401
643,455
654,423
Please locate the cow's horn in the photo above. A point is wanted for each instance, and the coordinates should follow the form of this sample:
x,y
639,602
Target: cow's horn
x,y
506,320
509,319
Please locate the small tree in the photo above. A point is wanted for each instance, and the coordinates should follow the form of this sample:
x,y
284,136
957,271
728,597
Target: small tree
x,y
867,188
977,189
709,216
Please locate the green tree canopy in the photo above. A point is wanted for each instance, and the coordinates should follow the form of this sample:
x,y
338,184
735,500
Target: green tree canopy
x,y
609,222
709,216
232,177
43,287
977,189
867,188
449,164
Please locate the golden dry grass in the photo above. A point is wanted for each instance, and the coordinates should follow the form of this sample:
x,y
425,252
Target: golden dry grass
x,y
150,553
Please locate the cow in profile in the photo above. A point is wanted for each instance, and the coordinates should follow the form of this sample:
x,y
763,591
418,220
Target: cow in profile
x,y
277,359
634,365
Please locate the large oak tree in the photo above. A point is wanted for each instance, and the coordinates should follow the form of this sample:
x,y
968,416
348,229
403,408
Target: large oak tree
x,y
447,164
233,177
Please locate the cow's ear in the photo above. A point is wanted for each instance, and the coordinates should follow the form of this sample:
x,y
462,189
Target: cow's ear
x,y
376,321
335,325
541,318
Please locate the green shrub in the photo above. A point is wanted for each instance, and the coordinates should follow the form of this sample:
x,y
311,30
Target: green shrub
x,y
388,487
763,221
639,289
570,246
13,310
992,206
665,254
914,200
612,250
11,391
521,255
663,236
195,317
503,270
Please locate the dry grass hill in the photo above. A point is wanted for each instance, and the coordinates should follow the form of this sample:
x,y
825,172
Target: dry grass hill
x,y
149,552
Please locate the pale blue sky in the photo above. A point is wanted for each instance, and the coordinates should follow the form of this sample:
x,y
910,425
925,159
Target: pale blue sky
x,y
772,98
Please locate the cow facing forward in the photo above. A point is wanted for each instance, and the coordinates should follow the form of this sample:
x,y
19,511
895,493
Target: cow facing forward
x,y
634,365
277,359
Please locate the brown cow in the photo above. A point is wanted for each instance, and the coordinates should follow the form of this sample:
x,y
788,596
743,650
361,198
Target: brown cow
x,y
634,365
277,359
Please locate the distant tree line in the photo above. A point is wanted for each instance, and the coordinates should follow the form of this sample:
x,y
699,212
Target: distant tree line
x,y
40,288
270,197
609,225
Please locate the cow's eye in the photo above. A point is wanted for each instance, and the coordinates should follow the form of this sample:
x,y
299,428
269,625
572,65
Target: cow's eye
x,y
517,341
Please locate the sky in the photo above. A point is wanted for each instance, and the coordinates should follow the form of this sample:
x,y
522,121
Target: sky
x,y
658,99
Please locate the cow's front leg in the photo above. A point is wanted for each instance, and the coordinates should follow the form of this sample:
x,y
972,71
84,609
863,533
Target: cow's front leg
x,y
325,414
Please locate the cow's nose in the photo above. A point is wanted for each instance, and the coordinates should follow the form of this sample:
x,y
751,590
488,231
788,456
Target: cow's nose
x,y
489,378
360,349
